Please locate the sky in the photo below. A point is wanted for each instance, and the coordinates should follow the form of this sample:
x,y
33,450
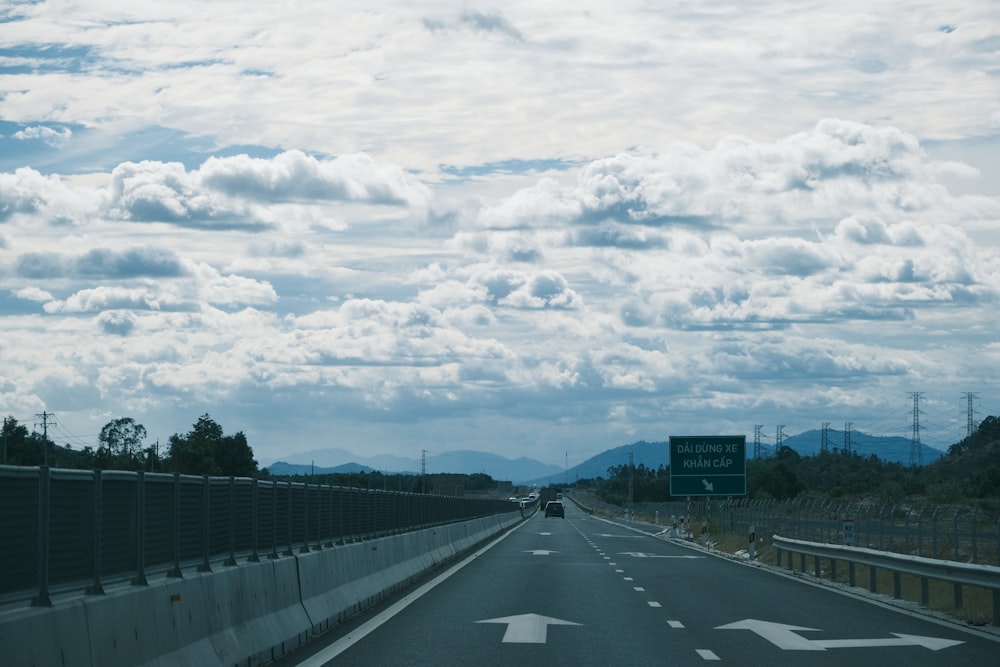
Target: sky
x,y
538,229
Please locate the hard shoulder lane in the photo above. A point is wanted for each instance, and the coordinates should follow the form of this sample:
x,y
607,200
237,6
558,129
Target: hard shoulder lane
x,y
754,616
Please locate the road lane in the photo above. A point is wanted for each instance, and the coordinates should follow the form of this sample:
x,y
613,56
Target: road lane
x,y
583,591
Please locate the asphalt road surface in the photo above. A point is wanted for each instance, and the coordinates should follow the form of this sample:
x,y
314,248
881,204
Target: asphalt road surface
x,y
583,591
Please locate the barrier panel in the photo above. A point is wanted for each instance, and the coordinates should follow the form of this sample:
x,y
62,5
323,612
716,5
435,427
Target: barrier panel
x,y
67,530
248,613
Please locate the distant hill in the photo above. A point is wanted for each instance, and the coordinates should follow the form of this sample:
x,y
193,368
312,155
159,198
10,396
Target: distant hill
x,y
460,462
654,454
282,468
888,448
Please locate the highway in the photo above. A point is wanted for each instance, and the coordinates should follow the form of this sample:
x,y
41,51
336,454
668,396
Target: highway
x,y
584,591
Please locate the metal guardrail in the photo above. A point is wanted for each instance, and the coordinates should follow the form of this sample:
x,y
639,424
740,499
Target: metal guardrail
x,y
959,574
951,532
63,530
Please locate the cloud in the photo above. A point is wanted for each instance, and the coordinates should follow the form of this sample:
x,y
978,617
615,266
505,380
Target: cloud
x,y
102,263
227,192
116,323
295,176
55,138
496,22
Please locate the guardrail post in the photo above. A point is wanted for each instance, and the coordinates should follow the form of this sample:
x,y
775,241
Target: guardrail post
x,y
140,530
175,572
897,585
255,519
231,561
206,517
288,520
44,516
873,579
274,522
97,529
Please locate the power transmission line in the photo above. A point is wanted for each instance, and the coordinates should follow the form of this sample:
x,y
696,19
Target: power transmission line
x,y
916,449
970,420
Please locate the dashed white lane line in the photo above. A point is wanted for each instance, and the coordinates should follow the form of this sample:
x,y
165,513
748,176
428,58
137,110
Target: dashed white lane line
x,y
654,604
639,589
675,624
706,654
628,579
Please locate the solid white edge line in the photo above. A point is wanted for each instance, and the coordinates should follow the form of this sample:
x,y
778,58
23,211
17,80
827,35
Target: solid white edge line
x,y
347,641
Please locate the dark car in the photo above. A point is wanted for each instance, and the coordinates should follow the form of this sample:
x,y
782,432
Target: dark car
x,y
554,508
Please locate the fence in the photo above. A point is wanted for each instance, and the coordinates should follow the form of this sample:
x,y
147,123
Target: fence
x,y
61,530
969,534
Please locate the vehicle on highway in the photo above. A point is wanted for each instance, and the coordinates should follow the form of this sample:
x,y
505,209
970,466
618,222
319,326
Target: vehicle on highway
x,y
555,508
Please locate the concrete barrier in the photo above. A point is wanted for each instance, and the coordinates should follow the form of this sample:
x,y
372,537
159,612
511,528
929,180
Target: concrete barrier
x,y
247,614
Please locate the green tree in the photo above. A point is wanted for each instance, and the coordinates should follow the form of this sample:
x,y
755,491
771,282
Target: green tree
x,y
122,441
14,444
206,451
233,456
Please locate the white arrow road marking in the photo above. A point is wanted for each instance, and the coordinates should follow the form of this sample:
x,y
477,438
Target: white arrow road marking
x,y
541,552
544,533
785,637
639,554
527,628
933,643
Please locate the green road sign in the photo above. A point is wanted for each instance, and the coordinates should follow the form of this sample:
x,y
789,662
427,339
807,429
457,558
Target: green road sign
x,y
708,465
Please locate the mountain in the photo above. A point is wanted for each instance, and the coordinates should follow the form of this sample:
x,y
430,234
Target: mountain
x,y
650,454
888,448
529,471
283,468
654,454
461,462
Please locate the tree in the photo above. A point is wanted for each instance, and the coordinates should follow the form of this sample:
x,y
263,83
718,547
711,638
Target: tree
x,y
233,456
122,439
14,444
206,451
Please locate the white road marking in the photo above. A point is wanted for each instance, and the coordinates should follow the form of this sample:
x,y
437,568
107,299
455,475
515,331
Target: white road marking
x,y
320,658
675,624
786,637
527,628
706,654
655,605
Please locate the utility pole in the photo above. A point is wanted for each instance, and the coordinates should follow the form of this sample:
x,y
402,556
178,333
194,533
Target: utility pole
x,y
779,437
847,437
824,445
5,441
756,441
45,417
916,449
970,424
